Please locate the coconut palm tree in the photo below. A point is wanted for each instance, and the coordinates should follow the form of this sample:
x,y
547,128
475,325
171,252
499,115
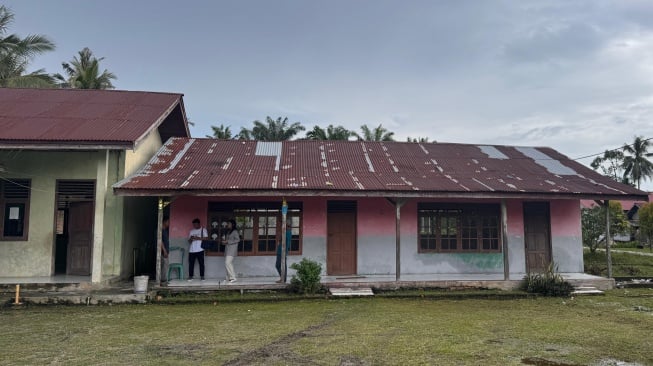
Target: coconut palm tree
x,y
636,165
271,130
16,53
377,134
331,133
84,73
221,132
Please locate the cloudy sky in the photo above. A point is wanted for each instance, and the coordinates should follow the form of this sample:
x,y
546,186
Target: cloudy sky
x,y
576,76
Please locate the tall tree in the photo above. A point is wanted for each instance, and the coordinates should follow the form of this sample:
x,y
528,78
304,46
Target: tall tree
x,y
377,134
611,164
271,130
636,165
593,224
84,72
331,133
221,132
16,53
646,224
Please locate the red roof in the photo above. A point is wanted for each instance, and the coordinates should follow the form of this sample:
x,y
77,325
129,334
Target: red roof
x,y
85,117
225,167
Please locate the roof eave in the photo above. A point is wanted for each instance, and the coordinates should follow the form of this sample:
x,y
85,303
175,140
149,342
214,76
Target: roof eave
x,y
403,194
73,145
159,121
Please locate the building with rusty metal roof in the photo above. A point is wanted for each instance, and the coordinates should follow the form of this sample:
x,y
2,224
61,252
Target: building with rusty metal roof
x,y
363,168
61,150
364,209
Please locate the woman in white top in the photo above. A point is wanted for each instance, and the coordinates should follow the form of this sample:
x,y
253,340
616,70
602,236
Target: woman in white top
x,y
231,250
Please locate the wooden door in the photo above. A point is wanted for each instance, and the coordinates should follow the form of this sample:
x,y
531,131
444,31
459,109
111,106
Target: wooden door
x,y
80,242
537,231
341,243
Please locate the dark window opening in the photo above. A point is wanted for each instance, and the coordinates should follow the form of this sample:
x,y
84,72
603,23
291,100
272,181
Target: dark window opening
x,y
459,228
14,208
259,225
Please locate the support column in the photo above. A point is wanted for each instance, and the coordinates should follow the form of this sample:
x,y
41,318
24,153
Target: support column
x,y
284,216
159,241
504,240
98,223
397,203
608,237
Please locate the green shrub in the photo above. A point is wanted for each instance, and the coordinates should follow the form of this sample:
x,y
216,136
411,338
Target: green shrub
x,y
307,278
595,269
548,283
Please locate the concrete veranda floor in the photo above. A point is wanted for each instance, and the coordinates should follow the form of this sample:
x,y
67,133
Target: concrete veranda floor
x,y
389,281
80,290
405,279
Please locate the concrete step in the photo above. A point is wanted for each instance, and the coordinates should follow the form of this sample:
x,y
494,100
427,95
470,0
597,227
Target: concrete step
x,y
587,290
346,291
115,296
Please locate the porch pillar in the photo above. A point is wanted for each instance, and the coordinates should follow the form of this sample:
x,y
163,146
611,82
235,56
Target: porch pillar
x,y
608,237
159,241
504,240
397,203
284,216
102,177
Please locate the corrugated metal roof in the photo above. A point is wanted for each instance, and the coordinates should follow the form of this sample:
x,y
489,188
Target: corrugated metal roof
x,y
208,166
71,116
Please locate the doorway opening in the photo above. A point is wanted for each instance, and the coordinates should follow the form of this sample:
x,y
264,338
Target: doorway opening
x,y
537,230
341,238
74,216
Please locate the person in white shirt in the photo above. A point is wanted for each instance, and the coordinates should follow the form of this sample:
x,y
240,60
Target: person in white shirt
x,y
195,251
231,242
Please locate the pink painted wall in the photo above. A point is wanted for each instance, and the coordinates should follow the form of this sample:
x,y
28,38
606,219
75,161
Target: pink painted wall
x,y
408,218
184,209
565,218
515,212
182,212
376,217
315,217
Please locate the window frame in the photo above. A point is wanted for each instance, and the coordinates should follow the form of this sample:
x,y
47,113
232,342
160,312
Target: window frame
x,y
430,230
25,201
221,211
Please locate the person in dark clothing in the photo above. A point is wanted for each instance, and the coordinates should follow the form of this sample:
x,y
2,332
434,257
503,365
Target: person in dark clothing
x,y
165,248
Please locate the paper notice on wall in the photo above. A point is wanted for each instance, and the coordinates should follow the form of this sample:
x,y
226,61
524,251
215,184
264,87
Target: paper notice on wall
x,y
14,213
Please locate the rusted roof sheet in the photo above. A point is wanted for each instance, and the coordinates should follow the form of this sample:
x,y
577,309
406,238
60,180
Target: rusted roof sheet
x,y
220,167
86,117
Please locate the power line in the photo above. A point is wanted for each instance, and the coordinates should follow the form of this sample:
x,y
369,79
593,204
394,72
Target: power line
x,y
616,149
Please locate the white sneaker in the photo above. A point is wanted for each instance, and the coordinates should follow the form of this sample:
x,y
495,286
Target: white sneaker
x,y
232,280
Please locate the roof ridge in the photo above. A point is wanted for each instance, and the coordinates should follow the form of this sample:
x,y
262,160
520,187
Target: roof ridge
x,y
94,90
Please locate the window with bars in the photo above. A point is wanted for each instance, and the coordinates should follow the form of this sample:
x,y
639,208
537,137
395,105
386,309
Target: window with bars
x,y
458,228
259,225
14,208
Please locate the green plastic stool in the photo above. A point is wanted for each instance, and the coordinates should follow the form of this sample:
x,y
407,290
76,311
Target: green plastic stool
x,y
179,266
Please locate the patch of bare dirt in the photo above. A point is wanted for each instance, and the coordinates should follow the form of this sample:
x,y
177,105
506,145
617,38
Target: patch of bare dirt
x,y
278,351
193,352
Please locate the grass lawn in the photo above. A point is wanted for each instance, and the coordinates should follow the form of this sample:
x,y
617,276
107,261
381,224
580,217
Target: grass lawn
x,y
367,331
623,264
